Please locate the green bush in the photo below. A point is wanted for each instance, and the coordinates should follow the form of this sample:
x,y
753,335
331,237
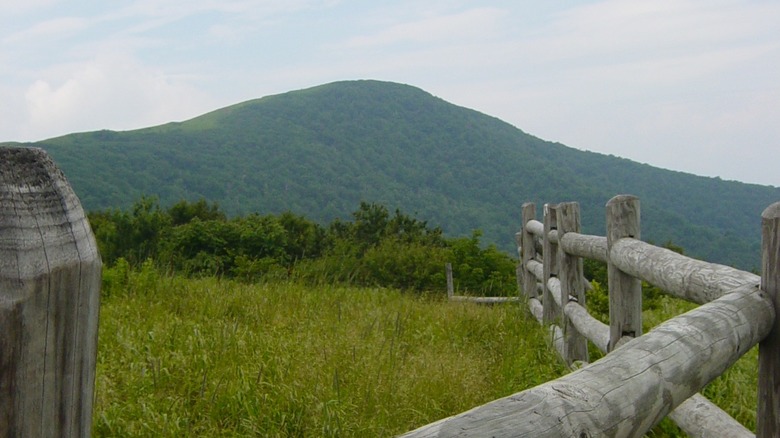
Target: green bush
x,y
481,271
408,266
116,278
376,248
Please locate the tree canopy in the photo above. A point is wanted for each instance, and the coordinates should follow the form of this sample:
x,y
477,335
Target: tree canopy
x,y
374,248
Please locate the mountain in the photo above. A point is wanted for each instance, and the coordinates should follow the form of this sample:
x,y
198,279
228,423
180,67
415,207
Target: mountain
x,y
320,151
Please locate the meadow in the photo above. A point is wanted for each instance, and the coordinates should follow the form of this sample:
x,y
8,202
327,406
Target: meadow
x,y
209,357
216,357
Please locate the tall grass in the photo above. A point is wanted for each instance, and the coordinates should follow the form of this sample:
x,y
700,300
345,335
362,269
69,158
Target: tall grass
x,y
204,357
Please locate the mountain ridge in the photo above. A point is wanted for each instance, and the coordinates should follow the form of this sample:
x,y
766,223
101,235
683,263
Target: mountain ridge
x,y
322,150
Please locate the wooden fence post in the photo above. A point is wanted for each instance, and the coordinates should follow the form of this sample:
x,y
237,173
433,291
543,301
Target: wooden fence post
x,y
519,270
625,291
550,257
529,251
768,413
50,274
450,282
570,273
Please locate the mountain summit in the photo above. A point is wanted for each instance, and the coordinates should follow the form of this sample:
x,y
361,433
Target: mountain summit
x,y
320,151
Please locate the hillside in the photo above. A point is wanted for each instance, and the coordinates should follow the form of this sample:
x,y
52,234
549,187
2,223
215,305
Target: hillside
x,y
320,151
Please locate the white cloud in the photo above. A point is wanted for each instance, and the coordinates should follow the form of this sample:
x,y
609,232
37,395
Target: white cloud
x,y
107,93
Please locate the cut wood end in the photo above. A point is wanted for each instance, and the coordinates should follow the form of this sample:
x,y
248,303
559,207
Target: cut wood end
x,y
43,224
31,165
772,212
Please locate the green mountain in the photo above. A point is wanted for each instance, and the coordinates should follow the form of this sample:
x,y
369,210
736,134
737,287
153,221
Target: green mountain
x,y
320,151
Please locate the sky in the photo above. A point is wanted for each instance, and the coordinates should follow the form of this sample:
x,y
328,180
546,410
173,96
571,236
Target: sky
x,y
688,85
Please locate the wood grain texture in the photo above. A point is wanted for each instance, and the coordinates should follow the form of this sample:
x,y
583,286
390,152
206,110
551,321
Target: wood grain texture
x,y
768,415
537,270
529,251
625,291
535,227
550,264
700,418
584,245
590,327
570,273
554,287
536,308
50,274
681,276
631,389
676,274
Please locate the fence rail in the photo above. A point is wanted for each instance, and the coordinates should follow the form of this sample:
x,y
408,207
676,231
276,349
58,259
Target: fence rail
x,y
643,378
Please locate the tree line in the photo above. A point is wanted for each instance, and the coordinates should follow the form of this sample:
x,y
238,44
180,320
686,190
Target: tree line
x,y
374,248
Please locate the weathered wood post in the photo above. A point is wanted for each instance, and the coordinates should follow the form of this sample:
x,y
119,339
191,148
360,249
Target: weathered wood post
x,y
570,273
625,291
768,413
529,251
550,257
50,274
519,270
450,282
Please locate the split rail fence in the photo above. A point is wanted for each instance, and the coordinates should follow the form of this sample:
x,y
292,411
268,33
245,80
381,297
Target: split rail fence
x,y
643,378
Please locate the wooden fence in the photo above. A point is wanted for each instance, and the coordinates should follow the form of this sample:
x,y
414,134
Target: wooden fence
x,y
643,378
50,274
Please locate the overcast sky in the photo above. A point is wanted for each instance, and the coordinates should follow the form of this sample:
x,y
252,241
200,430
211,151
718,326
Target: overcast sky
x,y
690,85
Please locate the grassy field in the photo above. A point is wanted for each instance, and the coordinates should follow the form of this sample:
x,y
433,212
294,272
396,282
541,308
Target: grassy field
x,y
182,357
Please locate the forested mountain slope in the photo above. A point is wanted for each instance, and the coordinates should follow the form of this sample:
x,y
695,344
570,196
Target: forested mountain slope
x,y
320,151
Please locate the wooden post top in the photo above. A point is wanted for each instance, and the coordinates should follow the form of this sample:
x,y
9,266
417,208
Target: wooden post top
x,y
617,199
42,222
772,212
